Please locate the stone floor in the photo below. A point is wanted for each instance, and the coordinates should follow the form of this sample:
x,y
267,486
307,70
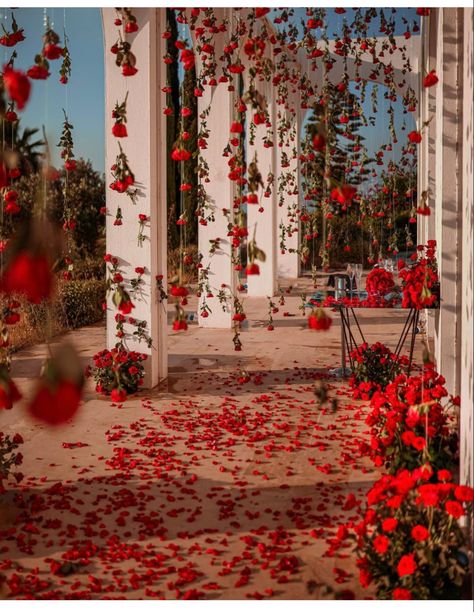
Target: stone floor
x,y
205,488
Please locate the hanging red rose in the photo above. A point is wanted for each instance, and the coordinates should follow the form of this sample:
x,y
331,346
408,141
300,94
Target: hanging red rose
x,y
414,137
319,320
344,194
17,85
29,274
430,79
58,395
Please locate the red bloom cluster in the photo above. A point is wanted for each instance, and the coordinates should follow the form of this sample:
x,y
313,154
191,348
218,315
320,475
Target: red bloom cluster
x,y
420,281
409,424
379,282
373,368
118,372
408,515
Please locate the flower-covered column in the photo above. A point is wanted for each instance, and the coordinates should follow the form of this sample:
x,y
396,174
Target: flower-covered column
x,y
287,196
261,216
136,216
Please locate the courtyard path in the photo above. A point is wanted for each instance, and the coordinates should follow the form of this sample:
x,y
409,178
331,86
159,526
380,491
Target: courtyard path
x,y
206,488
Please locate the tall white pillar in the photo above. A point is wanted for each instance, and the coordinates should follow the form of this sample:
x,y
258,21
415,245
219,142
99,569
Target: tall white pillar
x,y
448,192
467,272
220,194
263,223
145,148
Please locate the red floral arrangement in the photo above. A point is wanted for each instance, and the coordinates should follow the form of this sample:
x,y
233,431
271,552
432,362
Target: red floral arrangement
x,y
420,281
410,425
373,368
410,543
118,372
379,282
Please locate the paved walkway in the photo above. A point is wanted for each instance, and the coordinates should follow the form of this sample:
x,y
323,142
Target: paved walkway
x,y
208,488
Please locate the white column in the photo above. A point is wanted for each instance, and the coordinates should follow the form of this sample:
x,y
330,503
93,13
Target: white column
x,y
448,198
287,202
264,224
467,273
220,192
145,148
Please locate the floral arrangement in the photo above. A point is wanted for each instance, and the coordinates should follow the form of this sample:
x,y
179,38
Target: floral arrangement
x,y
410,542
9,458
420,281
373,368
118,372
410,425
379,282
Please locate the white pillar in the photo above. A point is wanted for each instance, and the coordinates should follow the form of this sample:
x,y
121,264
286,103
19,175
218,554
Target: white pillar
x,y
448,197
287,201
264,224
145,148
220,193
467,272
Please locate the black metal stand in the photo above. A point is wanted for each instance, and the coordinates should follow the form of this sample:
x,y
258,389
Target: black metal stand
x,y
348,341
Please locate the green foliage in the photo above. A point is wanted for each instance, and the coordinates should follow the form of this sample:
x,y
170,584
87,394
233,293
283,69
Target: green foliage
x,y
79,302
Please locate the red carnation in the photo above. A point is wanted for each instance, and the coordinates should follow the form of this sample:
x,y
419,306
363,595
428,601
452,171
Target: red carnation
x,y
52,51
38,72
18,86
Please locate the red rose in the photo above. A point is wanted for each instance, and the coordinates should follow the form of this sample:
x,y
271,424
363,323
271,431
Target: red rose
x,y
379,282
119,130
389,524
118,395
29,275
414,137
18,86
252,269
52,52
430,79
400,593
128,70
381,544
464,493
56,405
343,194
319,320
38,72
454,509
420,533
407,565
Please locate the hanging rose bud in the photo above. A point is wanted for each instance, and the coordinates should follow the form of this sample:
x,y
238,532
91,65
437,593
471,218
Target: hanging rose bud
x,y
58,394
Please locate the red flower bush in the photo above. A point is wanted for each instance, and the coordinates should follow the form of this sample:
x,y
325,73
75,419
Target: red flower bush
x,y
410,425
420,281
373,368
118,372
422,557
379,282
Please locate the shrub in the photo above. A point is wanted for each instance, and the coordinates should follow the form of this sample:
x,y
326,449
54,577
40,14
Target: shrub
x,y
79,302
410,543
410,426
118,372
373,368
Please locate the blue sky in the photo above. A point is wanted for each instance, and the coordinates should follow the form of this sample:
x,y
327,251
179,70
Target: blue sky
x,y
83,97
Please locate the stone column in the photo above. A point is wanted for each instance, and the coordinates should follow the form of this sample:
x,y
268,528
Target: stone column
x,y
220,194
262,223
145,148
447,189
287,202
467,271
